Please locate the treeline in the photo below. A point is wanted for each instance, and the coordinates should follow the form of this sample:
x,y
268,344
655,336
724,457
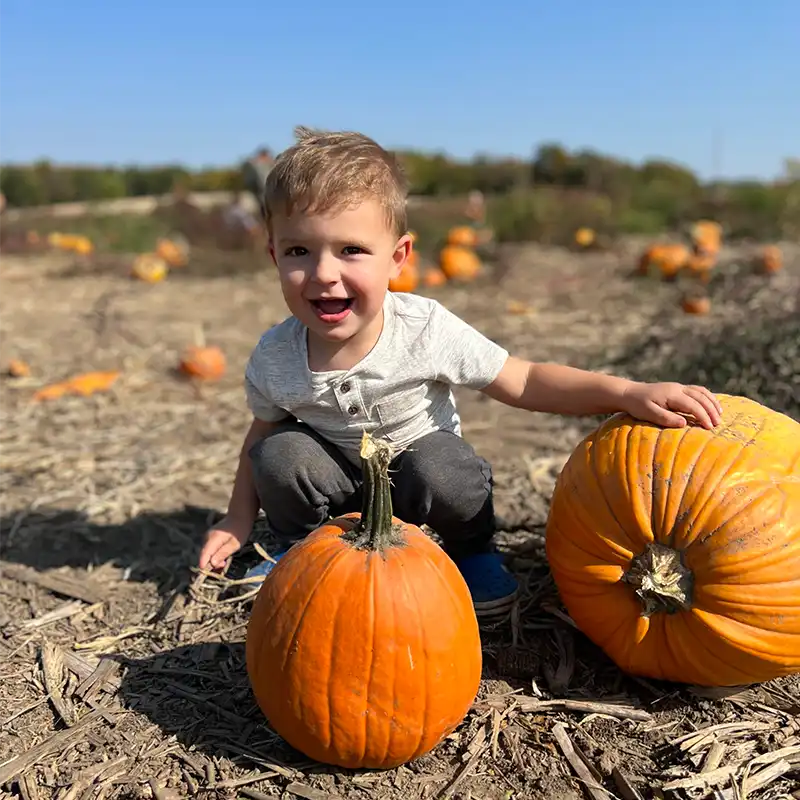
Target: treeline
x,y
554,189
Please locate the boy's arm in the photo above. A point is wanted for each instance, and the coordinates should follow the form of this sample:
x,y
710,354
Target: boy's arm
x,y
244,504
558,389
233,530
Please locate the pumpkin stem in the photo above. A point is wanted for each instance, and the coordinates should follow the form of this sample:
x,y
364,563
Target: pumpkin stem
x,y
661,580
375,530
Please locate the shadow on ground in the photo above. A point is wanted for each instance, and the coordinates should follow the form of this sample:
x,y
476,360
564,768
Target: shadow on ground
x,y
152,546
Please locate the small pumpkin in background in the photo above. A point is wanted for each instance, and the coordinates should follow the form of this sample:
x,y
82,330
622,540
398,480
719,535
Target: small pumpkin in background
x,y
459,263
433,277
696,303
677,551
173,250
83,385
205,362
668,259
462,236
584,237
706,237
18,369
701,265
362,648
771,260
149,267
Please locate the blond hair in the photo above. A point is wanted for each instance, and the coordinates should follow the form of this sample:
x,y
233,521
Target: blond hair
x,y
326,171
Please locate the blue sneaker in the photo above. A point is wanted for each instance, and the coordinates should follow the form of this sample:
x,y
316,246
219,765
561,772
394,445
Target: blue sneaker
x,y
256,574
494,589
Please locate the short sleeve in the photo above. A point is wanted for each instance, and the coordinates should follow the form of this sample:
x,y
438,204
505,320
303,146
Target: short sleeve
x,y
460,354
258,399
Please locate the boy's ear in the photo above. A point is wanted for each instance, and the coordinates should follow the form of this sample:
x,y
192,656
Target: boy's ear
x,y
271,251
402,251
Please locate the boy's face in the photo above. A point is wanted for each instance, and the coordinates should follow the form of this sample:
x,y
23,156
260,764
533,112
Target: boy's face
x,y
335,269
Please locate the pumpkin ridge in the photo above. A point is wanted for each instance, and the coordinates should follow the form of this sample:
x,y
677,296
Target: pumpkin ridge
x,y
337,556
734,661
642,502
721,474
607,542
576,487
368,683
748,507
276,607
287,559
661,492
332,671
419,748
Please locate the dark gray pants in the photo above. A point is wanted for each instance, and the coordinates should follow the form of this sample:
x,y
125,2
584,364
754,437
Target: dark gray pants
x,y
302,480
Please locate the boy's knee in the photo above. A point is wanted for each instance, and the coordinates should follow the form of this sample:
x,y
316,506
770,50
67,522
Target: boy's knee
x,y
281,452
446,469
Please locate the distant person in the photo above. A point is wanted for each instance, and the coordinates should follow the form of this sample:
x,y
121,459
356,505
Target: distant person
x,y
240,227
476,207
254,173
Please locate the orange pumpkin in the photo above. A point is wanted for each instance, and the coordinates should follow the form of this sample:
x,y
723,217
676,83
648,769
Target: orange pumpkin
x,y
696,304
363,648
459,263
678,550
706,237
668,259
701,265
433,276
462,236
771,259
174,251
83,385
206,362
149,267
18,369
408,277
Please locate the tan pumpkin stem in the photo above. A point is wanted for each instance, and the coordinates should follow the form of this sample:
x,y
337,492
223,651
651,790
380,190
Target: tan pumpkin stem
x,y
375,530
661,580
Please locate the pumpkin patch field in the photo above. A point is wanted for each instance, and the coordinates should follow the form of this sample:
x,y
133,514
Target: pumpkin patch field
x,y
124,672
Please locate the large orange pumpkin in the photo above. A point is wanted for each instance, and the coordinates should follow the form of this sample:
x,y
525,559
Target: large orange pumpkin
x,y
363,648
678,550
459,263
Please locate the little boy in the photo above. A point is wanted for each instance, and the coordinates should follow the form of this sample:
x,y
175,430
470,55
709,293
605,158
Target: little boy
x,y
354,356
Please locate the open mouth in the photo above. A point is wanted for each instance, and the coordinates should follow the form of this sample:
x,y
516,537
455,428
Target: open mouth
x,y
332,309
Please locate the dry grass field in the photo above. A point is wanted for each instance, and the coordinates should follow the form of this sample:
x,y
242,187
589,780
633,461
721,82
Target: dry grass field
x,y
122,670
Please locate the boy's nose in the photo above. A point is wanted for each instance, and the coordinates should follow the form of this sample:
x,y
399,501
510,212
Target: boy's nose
x,y
327,270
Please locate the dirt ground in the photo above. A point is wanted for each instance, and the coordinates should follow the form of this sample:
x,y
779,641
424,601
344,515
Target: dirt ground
x,y
122,670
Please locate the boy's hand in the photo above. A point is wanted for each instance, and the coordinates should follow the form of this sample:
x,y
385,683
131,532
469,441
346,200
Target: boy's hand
x,y
664,403
222,541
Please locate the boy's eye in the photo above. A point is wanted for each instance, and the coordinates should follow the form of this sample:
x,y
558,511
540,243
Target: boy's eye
x,y
353,250
296,251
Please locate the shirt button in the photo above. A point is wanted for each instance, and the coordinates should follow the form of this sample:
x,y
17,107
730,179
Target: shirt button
x,y
352,410
345,387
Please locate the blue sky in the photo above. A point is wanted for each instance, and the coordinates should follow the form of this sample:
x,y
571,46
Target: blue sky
x,y
204,83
